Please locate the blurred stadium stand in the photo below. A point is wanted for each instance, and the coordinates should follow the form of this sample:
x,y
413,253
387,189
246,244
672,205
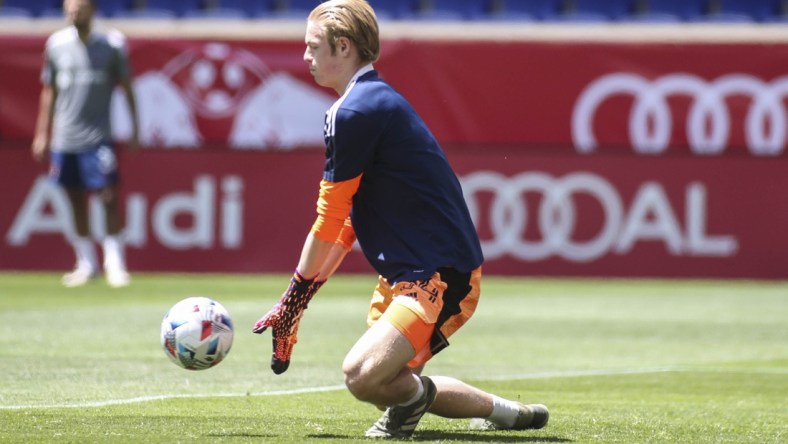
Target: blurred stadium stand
x,y
111,8
11,12
34,8
440,9
668,10
512,10
744,10
249,8
178,8
295,9
595,10
733,11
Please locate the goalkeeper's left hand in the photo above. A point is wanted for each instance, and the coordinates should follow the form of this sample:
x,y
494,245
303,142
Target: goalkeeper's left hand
x,y
284,319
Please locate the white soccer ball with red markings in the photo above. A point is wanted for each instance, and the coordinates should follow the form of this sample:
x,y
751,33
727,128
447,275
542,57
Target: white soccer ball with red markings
x,y
197,333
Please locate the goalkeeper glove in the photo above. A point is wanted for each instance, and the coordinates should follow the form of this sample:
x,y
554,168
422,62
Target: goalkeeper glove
x,y
285,317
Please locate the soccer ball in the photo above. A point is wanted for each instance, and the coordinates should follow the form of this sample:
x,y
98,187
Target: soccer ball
x,y
197,333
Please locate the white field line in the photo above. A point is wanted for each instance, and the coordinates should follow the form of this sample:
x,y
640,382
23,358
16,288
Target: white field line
x,y
111,402
329,388
633,371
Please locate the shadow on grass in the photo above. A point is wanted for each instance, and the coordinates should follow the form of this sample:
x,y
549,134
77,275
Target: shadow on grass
x,y
458,436
241,435
427,435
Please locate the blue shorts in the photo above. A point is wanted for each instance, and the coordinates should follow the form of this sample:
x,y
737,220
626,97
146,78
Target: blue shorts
x,y
92,169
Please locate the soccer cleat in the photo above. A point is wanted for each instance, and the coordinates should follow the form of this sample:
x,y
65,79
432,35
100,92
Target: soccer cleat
x,y
117,278
80,276
400,421
530,416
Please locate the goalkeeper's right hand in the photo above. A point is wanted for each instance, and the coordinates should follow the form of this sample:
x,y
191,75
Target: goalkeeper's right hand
x,y
284,319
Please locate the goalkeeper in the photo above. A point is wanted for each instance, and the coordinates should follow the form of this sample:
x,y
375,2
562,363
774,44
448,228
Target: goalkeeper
x,y
387,183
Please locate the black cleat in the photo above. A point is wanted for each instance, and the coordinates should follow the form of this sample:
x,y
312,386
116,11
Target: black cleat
x,y
400,421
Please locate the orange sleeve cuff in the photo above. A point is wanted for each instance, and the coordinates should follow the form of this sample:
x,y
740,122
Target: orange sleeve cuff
x,y
347,236
333,208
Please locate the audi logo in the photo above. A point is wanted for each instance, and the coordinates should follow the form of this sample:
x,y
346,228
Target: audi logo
x,y
650,119
557,218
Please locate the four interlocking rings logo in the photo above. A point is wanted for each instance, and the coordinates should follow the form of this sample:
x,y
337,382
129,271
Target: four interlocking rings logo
x,y
556,218
708,122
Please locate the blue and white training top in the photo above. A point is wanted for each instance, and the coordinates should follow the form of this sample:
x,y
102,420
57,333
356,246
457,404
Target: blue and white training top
x,y
85,76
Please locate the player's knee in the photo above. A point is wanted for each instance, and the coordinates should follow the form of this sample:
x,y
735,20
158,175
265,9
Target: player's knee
x,y
358,388
358,381
353,379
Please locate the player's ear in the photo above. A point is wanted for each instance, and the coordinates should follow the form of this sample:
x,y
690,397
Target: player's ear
x,y
343,45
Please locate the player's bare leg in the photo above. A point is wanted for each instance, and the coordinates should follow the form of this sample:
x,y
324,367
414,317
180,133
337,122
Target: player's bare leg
x,y
457,399
86,263
376,367
78,199
114,261
109,200
376,372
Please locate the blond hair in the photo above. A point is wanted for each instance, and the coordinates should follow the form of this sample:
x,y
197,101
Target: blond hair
x,y
353,19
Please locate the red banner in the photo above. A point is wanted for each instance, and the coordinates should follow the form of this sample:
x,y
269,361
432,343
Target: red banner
x,y
587,97
536,214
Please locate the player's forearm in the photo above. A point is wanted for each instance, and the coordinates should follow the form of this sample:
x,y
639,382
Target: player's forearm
x,y
332,262
317,257
46,110
132,104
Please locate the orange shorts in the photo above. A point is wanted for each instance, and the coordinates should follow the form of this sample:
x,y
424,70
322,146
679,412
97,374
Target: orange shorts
x,y
447,301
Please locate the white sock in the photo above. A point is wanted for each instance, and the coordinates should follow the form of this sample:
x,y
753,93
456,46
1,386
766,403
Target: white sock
x,y
419,391
113,253
504,412
85,252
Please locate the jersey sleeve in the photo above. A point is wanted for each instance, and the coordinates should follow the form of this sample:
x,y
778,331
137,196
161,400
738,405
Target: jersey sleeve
x,y
47,68
122,67
333,208
347,237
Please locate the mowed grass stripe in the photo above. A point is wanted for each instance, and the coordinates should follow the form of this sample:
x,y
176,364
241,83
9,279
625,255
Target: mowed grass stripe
x,y
546,375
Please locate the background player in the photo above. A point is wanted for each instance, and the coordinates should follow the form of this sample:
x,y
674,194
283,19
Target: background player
x,y
81,69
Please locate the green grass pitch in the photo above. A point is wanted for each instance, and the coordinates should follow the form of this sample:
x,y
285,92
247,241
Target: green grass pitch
x,y
616,361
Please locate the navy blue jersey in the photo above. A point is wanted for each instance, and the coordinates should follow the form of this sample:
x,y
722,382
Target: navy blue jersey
x,y
409,213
